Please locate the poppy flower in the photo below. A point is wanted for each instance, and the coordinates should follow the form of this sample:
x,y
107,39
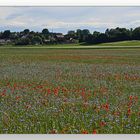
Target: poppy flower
x,y
102,124
28,106
49,91
18,97
129,112
130,97
84,132
55,92
94,131
53,131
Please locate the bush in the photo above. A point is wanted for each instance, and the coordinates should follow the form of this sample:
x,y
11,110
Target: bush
x,y
23,41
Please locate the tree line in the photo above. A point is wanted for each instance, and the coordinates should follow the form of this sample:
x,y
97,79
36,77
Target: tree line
x,y
27,37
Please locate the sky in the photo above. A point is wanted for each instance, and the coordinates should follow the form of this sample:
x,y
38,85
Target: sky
x,y
62,19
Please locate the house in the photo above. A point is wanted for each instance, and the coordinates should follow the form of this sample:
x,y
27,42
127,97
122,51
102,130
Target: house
x,y
24,36
72,41
47,40
4,41
59,37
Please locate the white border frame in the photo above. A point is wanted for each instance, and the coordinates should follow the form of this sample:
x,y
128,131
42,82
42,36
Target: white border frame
x,y
70,137
69,2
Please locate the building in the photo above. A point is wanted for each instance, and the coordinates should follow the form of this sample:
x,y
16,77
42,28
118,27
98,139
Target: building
x,y
4,41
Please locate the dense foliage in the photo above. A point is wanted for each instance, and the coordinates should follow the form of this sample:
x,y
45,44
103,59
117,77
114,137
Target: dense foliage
x,y
28,37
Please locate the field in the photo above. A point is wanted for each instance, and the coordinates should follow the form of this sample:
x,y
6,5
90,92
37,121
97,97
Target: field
x,y
122,43
69,91
111,45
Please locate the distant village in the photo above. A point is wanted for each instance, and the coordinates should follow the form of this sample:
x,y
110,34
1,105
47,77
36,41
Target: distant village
x,y
27,37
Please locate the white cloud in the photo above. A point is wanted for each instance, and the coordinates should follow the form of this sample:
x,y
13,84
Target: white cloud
x,y
69,17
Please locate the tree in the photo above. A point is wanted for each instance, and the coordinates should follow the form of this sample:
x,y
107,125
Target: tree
x,y
102,38
6,34
0,34
26,31
23,41
45,31
26,36
96,34
136,33
79,35
71,34
89,39
123,34
95,37
14,36
85,33
118,34
78,32
36,40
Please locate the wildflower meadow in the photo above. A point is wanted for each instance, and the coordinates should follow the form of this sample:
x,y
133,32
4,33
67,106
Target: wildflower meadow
x,y
69,91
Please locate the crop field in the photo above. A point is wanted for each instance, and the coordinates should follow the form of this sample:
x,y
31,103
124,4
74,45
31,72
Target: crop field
x,y
69,91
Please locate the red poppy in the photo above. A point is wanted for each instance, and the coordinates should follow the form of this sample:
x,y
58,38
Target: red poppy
x,y
129,112
106,106
84,132
56,92
129,104
102,124
4,91
28,106
53,132
3,94
49,91
94,131
15,85
83,94
130,97
18,97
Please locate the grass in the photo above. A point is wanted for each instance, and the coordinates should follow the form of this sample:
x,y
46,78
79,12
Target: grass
x,y
122,43
69,91
111,45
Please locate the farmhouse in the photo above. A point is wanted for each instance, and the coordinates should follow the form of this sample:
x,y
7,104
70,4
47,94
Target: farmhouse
x,y
4,41
59,36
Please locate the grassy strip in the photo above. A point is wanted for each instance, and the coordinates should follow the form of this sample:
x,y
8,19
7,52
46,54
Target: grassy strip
x,y
70,47
121,43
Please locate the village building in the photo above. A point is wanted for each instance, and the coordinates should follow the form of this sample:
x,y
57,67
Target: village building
x,y
4,41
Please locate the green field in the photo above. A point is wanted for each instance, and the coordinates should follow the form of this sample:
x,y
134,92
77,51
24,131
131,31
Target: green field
x,y
69,91
122,43
111,45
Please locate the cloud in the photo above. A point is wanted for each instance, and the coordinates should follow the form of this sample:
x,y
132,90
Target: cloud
x,y
66,18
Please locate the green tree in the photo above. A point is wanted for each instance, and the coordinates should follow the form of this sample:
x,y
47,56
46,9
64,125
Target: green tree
x,y
136,33
36,40
79,35
118,34
6,34
85,34
26,31
23,41
45,31
71,34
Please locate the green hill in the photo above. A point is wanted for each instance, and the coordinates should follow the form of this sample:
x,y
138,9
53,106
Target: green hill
x,y
121,43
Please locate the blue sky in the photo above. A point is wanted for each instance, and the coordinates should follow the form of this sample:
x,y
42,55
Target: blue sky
x,y
62,19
